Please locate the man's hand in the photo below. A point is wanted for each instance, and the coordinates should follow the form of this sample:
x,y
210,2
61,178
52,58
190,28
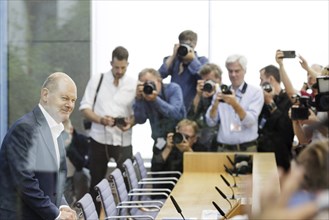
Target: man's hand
x,y
107,121
152,97
268,97
68,214
279,57
139,90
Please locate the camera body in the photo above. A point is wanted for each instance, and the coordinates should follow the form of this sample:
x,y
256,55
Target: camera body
x,y
149,86
209,86
322,98
183,50
120,122
178,138
267,87
225,89
301,111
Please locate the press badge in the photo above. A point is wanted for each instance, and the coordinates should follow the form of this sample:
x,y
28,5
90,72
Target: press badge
x,y
161,142
235,127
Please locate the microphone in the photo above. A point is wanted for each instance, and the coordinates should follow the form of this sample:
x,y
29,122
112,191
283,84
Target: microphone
x,y
223,195
233,164
177,206
219,210
229,185
230,172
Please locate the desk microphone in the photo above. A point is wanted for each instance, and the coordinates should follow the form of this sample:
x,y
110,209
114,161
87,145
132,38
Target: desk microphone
x,y
223,195
219,209
233,164
230,172
177,206
229,185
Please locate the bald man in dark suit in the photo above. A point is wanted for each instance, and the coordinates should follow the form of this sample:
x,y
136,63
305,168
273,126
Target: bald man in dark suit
x,y
32,155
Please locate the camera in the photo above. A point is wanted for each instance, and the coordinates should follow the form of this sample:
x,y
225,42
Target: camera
x,y
225,89
178,138
289,54
267,87
120,122
322,98
301,111
149,86
183,50
208,86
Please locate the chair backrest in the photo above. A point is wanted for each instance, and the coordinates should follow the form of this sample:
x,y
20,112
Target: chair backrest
x,y
87,207
130,174
118,184
105,194
140,162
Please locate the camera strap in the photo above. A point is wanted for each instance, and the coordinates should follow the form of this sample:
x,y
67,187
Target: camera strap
x,y
97,89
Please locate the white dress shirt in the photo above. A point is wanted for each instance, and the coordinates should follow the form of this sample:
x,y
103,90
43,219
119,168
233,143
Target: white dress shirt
x,y
56,129
115,101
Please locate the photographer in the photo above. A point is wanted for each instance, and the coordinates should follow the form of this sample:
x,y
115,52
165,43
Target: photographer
x,y
183,139
211,77
112,117
274,125
183,65
235,109
161,103
308,123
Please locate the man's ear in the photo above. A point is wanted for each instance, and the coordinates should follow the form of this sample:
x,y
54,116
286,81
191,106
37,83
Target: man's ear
x,y
44,94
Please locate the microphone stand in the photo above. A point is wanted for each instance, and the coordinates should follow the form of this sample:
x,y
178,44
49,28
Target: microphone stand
x,y
229,171
229,185
223,195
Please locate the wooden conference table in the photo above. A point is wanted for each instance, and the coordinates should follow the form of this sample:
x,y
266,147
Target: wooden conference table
x,y
195,190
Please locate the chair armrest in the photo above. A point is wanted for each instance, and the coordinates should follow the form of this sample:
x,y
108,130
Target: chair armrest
x,y
164,172
151,190
160,179
148,194
130,216
139,204
156,182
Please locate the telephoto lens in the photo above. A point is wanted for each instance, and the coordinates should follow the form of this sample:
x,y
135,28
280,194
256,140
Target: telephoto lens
x,y
267,87
178,138
149,86
183,50
208,86
225,89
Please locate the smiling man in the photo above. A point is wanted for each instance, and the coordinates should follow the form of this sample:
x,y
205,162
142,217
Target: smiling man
x,y
33,165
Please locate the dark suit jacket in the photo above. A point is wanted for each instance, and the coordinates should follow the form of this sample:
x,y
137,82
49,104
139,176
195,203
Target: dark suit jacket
x,y
31,184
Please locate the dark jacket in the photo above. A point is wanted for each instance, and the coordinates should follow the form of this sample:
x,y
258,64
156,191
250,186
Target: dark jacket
x,y
31,183
276,132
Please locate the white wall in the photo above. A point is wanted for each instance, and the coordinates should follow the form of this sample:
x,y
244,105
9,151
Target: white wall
x,y
256,29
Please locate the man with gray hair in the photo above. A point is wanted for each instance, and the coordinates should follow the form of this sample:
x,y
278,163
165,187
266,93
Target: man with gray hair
x,y
236,109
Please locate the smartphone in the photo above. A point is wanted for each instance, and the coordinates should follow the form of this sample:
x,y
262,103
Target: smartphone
x,y
289,54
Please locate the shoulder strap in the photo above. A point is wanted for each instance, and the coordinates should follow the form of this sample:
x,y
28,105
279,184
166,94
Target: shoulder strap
x,y
98,86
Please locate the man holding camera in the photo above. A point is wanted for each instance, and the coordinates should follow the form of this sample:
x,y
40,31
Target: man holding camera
x,y
274,125
111,116
183,65
236,109
211,77
161,103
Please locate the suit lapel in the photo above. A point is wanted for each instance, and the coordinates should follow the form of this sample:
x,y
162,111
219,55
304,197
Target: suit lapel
x,y
46,133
